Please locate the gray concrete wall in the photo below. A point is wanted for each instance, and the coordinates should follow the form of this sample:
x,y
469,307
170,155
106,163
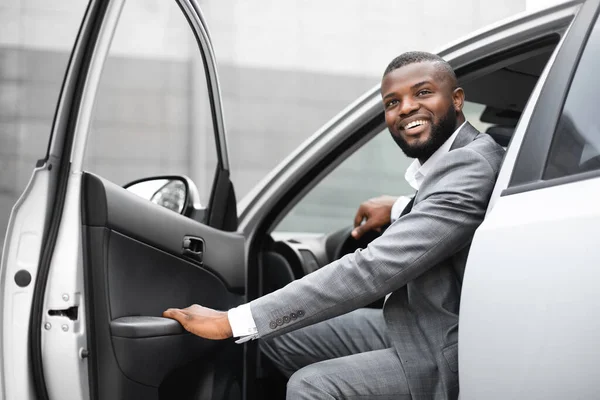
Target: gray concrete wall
x,y
141,123
269,113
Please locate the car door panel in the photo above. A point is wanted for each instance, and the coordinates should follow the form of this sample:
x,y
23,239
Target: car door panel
x,y
529,294
109,205
135,269
111,262
173,352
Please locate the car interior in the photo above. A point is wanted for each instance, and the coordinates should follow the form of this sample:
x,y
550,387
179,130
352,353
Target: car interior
x,y
128,286
502,83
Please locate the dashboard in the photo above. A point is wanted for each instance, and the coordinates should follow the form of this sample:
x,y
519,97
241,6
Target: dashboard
x,y
291,256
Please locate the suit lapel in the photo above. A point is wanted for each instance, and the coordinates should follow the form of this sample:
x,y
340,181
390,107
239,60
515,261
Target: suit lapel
x,y
467,134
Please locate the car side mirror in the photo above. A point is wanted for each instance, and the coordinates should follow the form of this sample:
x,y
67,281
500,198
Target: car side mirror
x,y
177,193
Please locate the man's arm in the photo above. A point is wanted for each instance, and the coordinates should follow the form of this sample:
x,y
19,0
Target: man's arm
x,y
375,212
451,205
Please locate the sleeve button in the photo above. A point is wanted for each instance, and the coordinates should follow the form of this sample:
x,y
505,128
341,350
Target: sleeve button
x,y
273,325
286,319
279,321
293,315
300,313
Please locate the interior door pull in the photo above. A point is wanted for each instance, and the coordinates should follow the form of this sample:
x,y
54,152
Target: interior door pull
x,y
193,247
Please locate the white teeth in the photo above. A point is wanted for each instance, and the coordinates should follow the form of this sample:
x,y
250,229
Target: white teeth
x,y
414,123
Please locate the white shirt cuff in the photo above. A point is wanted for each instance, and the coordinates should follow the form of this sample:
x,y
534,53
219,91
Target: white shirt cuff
x,y
242,323
398,207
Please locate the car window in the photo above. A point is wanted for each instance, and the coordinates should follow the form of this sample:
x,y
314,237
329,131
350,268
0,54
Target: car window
x,y
375,169
152,112
576,144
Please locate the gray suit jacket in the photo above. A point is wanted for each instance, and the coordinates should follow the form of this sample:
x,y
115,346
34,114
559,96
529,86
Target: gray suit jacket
x,y
420,258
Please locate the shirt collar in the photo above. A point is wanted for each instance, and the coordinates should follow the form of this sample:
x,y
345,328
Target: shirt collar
x,y
416,173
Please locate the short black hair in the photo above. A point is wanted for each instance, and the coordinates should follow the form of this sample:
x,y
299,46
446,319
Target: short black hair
x,y
413,57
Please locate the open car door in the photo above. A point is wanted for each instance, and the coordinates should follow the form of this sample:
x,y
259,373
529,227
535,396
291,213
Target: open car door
x,y
89,266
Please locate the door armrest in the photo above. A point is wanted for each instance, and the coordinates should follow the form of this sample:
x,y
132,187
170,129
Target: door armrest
x,y
141,327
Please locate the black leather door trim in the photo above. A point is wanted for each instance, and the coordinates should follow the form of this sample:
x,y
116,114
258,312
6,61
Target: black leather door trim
x,y
109,205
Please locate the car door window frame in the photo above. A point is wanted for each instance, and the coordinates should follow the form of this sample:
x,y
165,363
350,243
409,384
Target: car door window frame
x,y
533,154
63,140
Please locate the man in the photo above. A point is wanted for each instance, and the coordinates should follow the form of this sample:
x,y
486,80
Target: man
x,y
410,349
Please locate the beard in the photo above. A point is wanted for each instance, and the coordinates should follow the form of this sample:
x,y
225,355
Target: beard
x,y
440,132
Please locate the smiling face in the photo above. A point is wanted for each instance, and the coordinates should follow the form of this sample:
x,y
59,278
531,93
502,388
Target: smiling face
x,y
422,108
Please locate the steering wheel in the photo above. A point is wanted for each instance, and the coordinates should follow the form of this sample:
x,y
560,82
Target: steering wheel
x,y
341,242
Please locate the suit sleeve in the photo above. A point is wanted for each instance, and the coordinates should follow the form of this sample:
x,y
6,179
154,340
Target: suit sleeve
x,y
451,204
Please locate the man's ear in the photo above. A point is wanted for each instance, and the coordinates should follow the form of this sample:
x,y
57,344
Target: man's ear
x,y
458,99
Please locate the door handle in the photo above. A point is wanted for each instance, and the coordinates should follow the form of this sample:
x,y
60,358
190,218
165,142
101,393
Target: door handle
x,y
193,247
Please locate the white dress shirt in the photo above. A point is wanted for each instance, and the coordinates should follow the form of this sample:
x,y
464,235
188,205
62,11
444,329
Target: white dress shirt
x,y
240,318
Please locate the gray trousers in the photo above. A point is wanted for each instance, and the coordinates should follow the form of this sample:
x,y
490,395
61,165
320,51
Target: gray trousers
x,y
348,357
